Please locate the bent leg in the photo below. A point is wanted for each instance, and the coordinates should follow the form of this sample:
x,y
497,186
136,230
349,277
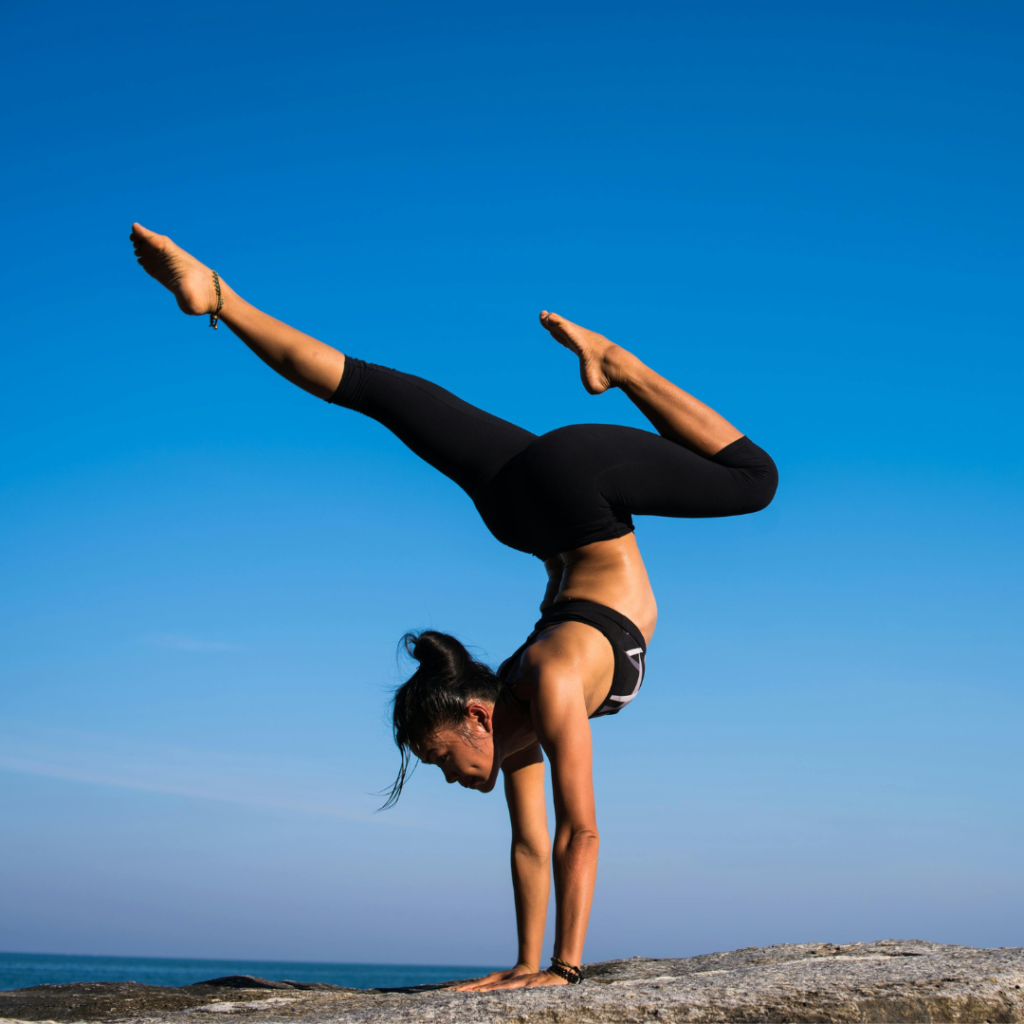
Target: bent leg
x,y
674,413
594,477
654,476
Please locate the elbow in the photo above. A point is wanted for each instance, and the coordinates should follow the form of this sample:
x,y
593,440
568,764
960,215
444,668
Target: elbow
x,y
537,849
577,844
584,835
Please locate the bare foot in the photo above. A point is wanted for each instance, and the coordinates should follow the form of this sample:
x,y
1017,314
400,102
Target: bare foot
x,y
190,281
600,359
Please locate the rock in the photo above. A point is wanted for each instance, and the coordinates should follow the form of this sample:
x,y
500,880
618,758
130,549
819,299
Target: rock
x,y
863,982
248,981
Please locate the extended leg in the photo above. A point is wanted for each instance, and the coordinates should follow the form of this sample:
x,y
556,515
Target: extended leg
x,y
675,414
467,444
312,365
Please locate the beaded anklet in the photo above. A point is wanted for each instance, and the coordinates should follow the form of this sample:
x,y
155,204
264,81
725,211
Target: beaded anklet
x,y
215,315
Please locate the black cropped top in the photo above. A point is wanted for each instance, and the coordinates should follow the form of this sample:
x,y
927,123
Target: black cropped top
x,y
627,643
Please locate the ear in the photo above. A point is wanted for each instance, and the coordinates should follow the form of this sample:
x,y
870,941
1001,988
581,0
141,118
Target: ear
x,y
480,716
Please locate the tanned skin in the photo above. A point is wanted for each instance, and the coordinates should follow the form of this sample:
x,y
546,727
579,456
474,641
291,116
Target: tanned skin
x,y
565,676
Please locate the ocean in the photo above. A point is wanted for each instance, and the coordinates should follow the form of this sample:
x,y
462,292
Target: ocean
x,y
21,970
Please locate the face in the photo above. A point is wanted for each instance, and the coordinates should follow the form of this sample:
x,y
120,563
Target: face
x,y
466,753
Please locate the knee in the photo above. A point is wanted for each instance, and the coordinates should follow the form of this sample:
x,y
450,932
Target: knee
x,y
759,480
765,483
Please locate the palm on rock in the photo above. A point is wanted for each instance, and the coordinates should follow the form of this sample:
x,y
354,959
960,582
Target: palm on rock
x,y
512,979
494,978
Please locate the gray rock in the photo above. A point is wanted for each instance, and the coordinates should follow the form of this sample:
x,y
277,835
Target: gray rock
x,y
863,982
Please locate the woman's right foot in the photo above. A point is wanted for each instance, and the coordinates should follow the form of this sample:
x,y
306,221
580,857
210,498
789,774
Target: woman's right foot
x,y
601,360
190,281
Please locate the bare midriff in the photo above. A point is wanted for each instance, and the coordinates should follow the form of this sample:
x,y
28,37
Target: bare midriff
x,y
612,573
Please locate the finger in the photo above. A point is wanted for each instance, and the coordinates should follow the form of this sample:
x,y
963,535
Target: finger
x,y
472,986
510,983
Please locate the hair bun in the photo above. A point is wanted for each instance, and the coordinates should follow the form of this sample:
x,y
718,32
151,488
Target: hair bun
x,y
438,653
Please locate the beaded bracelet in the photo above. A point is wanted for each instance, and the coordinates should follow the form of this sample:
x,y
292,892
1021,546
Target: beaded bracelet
x,y
215,315
568,972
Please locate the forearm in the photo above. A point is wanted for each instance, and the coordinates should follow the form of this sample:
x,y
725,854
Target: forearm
x,y
531,883
312,365
575,853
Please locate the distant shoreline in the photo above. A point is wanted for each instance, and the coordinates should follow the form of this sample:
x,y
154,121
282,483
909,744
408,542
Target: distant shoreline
x,y
23,970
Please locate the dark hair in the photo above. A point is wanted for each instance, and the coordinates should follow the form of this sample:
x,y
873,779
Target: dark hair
x,y
436,695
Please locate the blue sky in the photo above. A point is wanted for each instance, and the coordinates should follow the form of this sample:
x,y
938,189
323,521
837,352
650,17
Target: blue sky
x,y
809,215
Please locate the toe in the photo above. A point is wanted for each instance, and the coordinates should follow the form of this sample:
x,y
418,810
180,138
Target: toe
x,y
144,236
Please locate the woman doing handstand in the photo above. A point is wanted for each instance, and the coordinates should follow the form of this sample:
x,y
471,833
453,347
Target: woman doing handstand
x,y
567,497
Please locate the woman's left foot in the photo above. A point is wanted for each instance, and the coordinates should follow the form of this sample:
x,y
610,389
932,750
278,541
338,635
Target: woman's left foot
x,y
600,359
190,281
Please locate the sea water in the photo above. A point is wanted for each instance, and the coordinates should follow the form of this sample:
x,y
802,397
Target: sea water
x,y
21,970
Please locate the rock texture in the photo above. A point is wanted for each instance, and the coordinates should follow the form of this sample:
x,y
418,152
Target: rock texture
x,y
862,982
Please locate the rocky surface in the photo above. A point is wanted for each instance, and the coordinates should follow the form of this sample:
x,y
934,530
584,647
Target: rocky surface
x,y
862,982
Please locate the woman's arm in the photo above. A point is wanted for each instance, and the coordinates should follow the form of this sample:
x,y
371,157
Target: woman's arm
x,y
531,863
531,850
560,719
559,710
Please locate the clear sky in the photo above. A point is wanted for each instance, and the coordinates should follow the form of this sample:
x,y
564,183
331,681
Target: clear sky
x,y
808,214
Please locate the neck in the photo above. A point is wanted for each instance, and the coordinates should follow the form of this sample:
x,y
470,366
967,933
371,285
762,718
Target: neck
x,y
513,728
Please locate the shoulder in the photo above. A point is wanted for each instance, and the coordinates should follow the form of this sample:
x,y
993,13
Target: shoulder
x,y
572,647
570,666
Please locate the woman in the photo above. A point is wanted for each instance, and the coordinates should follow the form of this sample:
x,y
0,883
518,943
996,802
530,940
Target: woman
x,y
566,497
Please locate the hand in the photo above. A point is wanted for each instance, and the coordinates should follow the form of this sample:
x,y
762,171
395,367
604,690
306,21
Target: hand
x,y
519,977
494,978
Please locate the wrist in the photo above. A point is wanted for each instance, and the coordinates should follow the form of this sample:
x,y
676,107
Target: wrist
x,y
570,973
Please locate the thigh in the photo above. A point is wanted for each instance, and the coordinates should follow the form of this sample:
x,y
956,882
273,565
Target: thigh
x,y
653,476
465,443
593,473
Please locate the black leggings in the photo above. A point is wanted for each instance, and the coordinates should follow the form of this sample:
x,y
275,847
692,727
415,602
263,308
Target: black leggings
x,y
558,491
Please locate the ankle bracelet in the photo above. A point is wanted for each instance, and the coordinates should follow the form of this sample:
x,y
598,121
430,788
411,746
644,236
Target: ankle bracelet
x,y
568,972
215,315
